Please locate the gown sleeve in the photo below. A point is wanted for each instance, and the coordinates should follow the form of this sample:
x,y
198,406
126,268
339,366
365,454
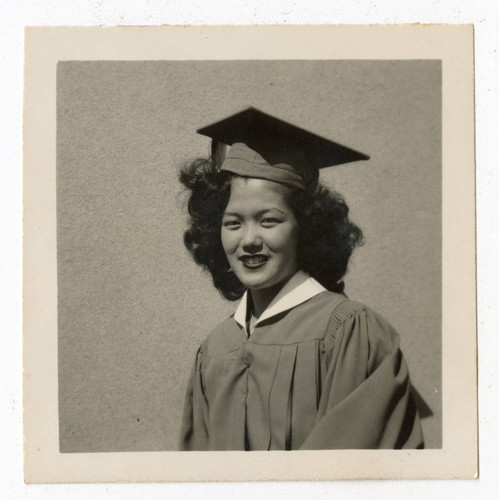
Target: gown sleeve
x,y
194,430
366,400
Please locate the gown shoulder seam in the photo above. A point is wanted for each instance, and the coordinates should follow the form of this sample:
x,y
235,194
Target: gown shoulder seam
x,y
344,311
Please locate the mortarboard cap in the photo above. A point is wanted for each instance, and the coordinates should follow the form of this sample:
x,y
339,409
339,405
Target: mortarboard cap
x,y
265,147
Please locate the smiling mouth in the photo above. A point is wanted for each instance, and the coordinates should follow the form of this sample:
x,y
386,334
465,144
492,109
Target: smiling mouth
x,y
253,261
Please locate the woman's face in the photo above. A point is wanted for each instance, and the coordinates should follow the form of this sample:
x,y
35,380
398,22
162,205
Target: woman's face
x,y
259,233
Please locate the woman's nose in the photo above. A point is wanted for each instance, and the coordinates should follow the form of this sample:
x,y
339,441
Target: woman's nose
x,y
251,240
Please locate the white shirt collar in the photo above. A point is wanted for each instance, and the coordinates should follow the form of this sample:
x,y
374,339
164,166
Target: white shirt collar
x,y
300,288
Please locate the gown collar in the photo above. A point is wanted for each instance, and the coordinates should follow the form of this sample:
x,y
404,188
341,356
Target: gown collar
x,y
300,288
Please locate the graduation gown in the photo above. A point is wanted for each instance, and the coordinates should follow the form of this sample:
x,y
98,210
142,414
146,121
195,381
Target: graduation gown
x,y
318,371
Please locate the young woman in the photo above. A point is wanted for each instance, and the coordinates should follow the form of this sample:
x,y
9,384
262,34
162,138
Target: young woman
x,y
299,365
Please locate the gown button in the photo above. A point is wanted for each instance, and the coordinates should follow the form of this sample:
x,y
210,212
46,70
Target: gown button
x,y
245,358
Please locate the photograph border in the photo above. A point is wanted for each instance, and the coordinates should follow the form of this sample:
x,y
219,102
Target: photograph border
x,y
46,46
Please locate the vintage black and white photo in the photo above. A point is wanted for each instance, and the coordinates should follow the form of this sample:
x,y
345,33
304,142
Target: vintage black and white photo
x,y
249,255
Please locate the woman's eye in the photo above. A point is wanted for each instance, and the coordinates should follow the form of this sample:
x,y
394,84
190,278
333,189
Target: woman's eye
x,y
231,224
269,222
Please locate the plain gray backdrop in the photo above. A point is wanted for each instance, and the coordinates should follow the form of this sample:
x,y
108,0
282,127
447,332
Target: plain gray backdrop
x,y
132,305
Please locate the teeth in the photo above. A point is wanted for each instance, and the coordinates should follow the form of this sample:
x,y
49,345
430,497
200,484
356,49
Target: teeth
x,y
257,259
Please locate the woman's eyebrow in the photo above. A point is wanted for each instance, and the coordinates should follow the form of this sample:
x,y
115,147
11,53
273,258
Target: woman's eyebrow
x,y
270,209
258,214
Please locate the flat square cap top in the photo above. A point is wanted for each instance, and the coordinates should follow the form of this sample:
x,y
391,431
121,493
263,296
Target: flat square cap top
x,y
263,146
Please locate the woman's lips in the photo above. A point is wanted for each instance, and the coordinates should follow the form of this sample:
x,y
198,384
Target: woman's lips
x,y
253,261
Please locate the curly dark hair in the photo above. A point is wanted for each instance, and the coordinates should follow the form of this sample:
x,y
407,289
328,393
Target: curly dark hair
x,y
326,237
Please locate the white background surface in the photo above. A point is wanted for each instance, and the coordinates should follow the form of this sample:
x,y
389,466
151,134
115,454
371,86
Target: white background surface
x,y
483,14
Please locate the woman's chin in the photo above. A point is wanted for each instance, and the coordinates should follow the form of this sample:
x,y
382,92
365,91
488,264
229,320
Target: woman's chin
x,y
263,277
